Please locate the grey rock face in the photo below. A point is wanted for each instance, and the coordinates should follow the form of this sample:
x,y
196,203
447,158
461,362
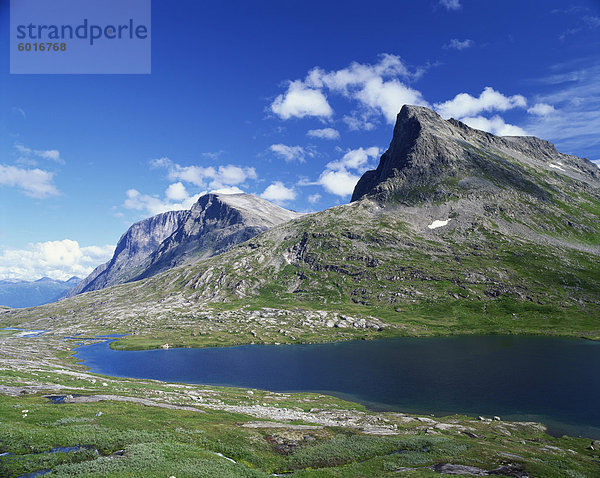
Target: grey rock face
x,y
131,252
213,225
426,151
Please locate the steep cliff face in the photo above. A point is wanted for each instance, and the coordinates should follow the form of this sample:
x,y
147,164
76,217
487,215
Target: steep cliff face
x,y
426,153
213,225
133,248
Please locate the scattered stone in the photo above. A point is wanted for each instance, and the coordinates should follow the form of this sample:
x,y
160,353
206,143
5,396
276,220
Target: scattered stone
x,y
450,469
287,426
511,455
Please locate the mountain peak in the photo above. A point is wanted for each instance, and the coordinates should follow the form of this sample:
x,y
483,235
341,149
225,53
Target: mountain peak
x,y
427,153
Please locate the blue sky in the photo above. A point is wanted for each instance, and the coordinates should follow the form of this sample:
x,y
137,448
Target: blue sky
x,y
289,100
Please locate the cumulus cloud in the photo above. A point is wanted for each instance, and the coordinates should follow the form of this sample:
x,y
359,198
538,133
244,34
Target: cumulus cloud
x,y
376,88
176,192
451,4
541,109
456,44
355,159
228,190
300,101
468,109
340,183
29,154
176,198
55,259
338,179
35,183
324,133
206,177
463,104
290,153
278,193
494,125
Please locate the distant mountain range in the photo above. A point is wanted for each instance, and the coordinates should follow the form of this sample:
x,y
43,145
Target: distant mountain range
x,y
455,231
20,293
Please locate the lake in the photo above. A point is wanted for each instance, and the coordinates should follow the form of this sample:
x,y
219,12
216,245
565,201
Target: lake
x,y
548,379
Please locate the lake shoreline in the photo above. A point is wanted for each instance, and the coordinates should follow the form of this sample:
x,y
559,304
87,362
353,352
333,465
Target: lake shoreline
x,y
546,350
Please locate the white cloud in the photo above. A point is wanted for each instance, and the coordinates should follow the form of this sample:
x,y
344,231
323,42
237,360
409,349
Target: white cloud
x,y
338,180
313,198
35,183
340,183
228,190
541,109
206,177
29,154
278,193
290,153
463,104
300,101
451,4
375,87
176,192
324,133
494,125
456,44
153,205
55,259
388,97
230,175
355,159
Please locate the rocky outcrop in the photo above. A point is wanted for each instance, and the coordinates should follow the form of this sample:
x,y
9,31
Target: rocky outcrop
x,y
131,252
427,152
213,225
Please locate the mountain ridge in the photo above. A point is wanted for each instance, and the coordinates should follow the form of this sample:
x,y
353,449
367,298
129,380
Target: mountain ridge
x,y
468,233
215,223
22,293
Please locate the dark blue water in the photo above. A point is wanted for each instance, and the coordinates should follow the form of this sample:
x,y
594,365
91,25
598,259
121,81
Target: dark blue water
x,y
548,379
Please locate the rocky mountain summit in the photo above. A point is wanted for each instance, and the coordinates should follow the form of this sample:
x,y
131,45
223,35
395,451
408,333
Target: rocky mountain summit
x,y
456,231
214,224
427,153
